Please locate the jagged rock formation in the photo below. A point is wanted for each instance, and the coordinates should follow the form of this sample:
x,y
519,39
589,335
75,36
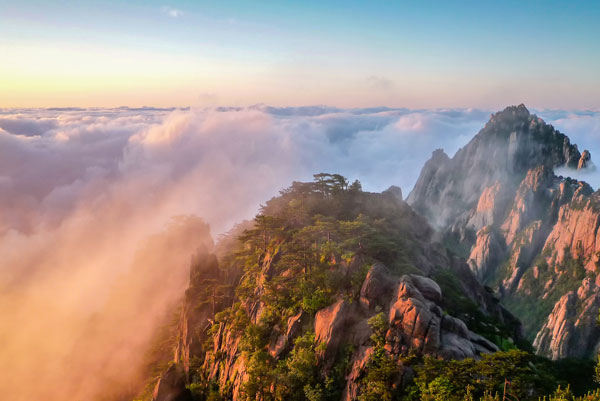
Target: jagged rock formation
x,y
525,231
584,160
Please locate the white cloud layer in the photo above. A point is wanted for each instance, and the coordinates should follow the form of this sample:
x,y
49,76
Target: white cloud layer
x,y
81,190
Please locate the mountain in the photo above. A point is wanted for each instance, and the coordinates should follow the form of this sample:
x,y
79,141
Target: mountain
x,y
529,234
326,278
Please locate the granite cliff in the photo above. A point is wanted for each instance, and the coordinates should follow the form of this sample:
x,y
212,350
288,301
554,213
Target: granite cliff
x,y
529,234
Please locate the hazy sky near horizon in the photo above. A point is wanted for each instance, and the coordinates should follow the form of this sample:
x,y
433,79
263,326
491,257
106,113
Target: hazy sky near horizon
x,y
288,53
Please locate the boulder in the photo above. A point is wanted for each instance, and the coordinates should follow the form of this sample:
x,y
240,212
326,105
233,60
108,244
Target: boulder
x,y
427,287
378,287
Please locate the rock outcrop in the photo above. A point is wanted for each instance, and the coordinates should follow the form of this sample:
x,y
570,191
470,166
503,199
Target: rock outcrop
x,y
416,324
528,233
584,160
171,386
556,334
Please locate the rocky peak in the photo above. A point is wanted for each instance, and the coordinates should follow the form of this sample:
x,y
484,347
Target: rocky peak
x,y
584,160
439,156
527,139
511,144
515,114
394,191
523,230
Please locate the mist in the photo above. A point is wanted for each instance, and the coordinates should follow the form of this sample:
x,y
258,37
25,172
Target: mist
x,y
103,209
583,128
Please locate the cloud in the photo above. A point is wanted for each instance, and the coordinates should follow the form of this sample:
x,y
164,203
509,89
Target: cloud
x,y
82,191
172,12
380,83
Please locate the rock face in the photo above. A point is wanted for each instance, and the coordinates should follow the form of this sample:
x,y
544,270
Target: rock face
x,y
171,386
584,160
555,336
197,313
486,252
417,323
528,233
284,340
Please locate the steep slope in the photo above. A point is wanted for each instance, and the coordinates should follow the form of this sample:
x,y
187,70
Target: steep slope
x,y
525,231
328,284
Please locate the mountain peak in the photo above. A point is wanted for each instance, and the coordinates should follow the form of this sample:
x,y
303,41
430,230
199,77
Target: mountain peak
x,y
515,111
511,143
498,203
512,115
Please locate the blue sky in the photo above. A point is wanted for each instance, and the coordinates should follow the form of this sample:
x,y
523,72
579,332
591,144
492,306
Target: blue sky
x,y
348,54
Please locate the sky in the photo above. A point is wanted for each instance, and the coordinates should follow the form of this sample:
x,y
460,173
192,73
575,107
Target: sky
x,y
415,54
245,98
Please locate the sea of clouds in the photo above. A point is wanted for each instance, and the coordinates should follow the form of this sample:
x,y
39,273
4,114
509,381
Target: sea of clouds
x,y
82,190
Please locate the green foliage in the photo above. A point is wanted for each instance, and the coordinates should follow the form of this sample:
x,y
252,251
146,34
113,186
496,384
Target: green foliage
x,y
524,376
255,337
379,382
382,372
298,373
578,374
314,243
565,394
379,326
454,380
312,301
204,392
260,372
295,377
159,355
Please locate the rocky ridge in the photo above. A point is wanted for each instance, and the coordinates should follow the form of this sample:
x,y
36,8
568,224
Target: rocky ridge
x,y
415,305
